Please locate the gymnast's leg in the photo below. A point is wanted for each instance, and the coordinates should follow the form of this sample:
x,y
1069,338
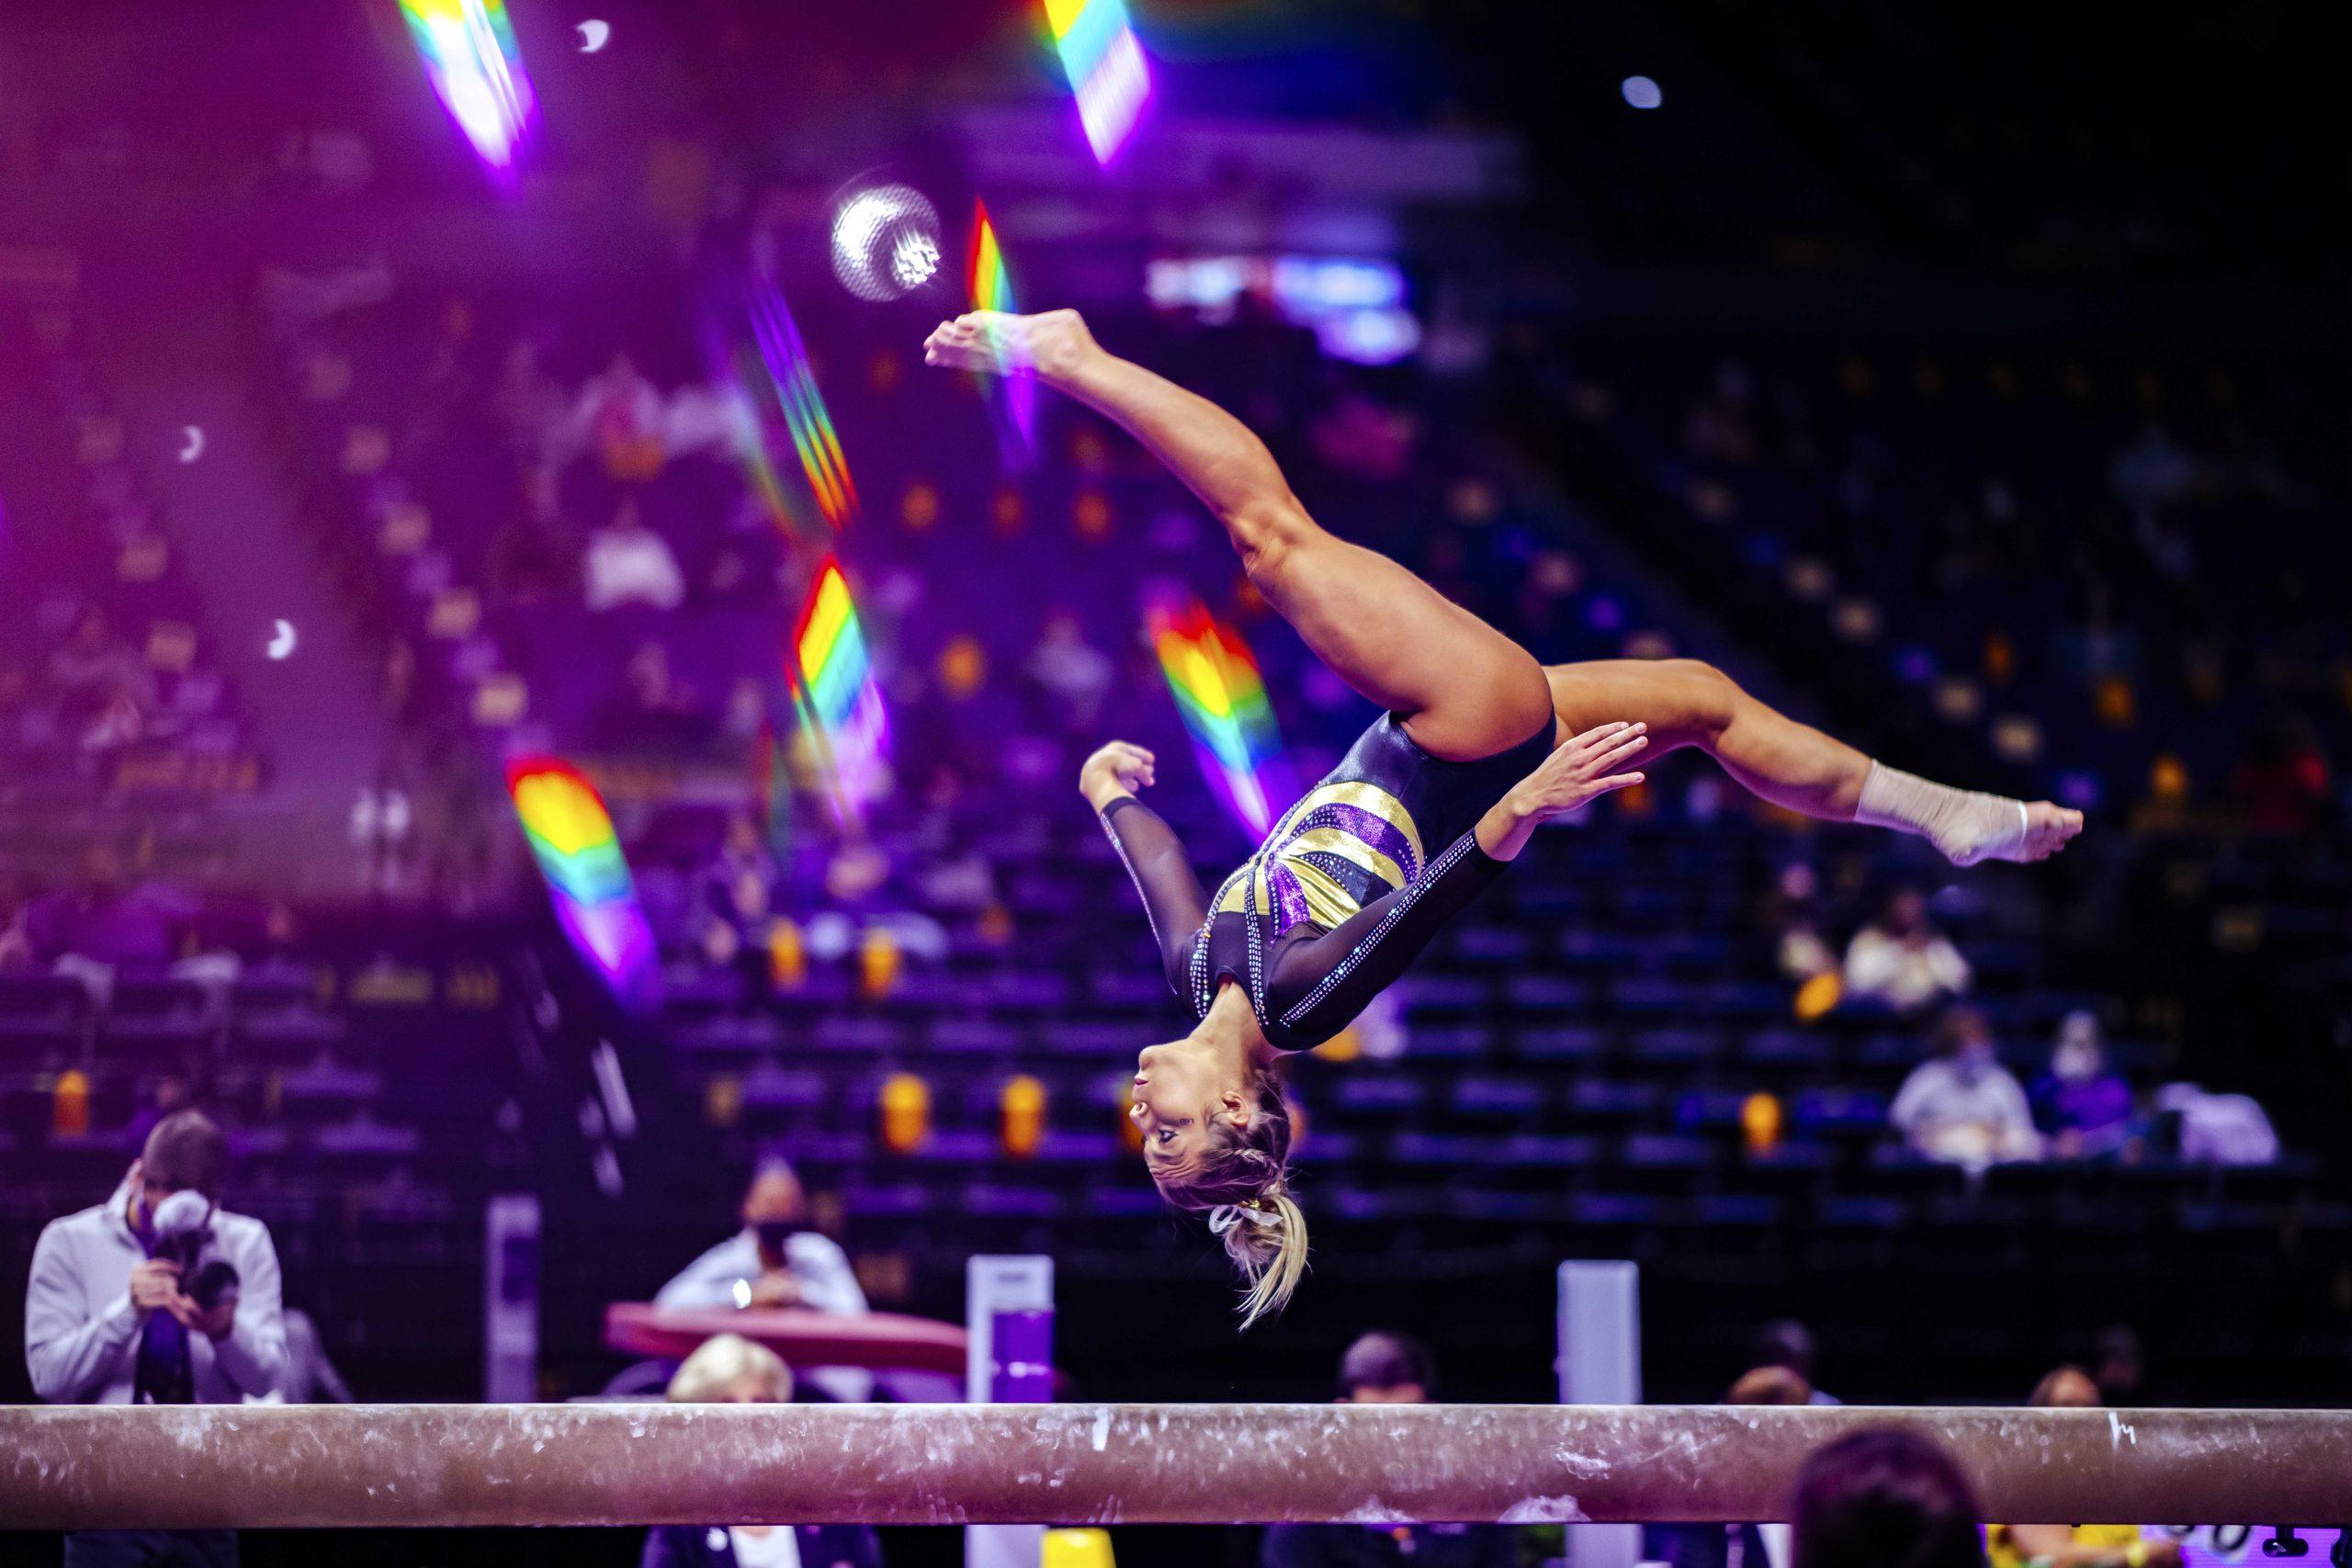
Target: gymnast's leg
x,y
1686,703
1463,689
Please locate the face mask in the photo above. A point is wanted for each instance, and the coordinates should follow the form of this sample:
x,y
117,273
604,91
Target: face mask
x,y
1973,1061
2076,1062
774,1233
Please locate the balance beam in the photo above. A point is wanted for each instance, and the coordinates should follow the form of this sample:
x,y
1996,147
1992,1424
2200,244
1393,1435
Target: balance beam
x,y
326,1466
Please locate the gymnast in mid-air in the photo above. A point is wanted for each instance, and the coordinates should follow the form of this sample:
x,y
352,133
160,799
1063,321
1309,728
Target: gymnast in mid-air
x,y
1477,745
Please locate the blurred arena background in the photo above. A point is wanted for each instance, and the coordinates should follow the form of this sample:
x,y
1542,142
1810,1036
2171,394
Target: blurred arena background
x,y
515,684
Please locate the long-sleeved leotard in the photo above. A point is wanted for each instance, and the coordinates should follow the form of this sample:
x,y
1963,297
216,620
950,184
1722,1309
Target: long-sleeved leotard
x,y
1343,894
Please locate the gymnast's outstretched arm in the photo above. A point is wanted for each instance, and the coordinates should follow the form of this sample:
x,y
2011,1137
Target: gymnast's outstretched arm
x,y
1172,900
1334,975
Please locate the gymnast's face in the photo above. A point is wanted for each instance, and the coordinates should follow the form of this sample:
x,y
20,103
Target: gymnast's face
x,y
1178,1095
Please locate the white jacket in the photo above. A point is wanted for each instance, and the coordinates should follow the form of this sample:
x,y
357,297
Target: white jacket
x,y
82,1334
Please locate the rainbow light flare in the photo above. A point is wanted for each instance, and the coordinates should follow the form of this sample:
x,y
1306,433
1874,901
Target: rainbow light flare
x,y
572,837
470,52
737,372
991,287
1106,67
805,416
833,691
1223,701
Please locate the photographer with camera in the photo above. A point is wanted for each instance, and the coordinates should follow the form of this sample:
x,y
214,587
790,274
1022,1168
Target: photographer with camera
x,y
157,1296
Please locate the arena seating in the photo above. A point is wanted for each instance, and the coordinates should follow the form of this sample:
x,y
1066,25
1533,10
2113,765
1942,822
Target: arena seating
x,y
1575,1059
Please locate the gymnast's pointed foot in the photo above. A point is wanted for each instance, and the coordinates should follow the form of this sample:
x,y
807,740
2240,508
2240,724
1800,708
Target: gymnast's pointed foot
x,y
2048,830
1966,825
1048,343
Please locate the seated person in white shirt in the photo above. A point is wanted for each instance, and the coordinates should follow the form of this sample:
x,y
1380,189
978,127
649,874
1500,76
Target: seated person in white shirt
x,y
771,1262
1902,959
629,563
1961,1104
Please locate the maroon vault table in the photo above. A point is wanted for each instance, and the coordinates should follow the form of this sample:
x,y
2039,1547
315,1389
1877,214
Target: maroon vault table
x,y
885,1341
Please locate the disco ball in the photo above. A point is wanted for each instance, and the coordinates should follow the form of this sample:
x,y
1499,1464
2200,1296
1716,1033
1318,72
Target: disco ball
x,y
885,242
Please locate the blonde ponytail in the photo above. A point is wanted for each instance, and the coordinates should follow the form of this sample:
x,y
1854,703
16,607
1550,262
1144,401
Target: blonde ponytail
x,y
1266,1238
1242,1182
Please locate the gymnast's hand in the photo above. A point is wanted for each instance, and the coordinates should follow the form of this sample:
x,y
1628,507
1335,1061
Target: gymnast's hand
x,y
1118,769
1575,772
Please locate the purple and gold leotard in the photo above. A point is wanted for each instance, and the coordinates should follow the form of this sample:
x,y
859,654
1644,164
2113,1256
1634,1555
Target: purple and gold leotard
x,y
1344,893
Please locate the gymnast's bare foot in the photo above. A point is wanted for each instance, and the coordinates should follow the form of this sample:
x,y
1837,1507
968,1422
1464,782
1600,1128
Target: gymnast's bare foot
x,y
1979,828
1049,343
2048,830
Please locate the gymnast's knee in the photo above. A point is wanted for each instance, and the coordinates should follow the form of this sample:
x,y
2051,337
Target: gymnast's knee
x,y
1270,537
1710,699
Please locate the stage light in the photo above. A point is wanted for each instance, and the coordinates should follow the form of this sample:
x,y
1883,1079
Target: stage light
x,y
833,691
1641,91
784,357
470,54
989,287
885,242
1223,701
588,880
1105,68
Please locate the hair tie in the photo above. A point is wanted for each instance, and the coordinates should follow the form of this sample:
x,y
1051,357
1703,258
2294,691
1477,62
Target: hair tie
x,y
1225,1216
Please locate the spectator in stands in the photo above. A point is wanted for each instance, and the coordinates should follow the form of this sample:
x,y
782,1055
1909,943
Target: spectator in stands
x,y
866,898
1792,918
653,710
529,558
2083,1110
728,1368
1884,1498
629,563
1070,674
955,874
107,922
1786,1343
620,415
15,935
1902,959
530,407
772,1262
2076,1546
1389,1369
738,888
1760,1545
93,663
2119,1366
106,689
114,1313
1960,1105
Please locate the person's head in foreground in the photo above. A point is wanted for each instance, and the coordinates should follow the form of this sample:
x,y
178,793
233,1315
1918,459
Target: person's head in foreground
x,y
728,1368
1771,1385
2068,1388
1216,1136
1383,1368
1885,1498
